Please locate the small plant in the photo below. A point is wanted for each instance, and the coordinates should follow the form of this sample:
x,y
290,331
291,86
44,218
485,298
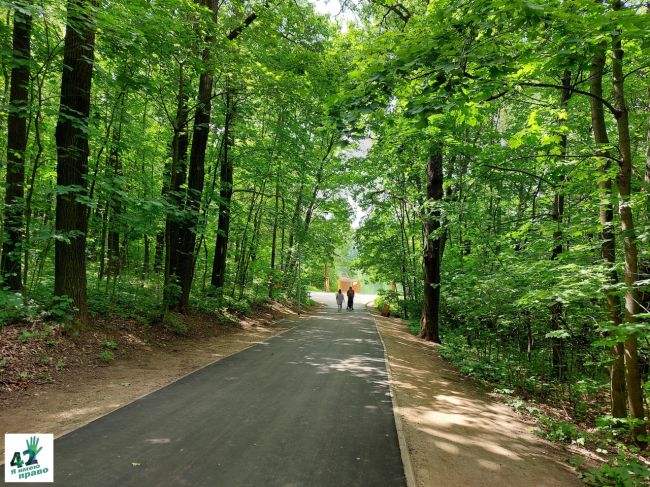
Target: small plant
x,y
106,356
11,307
109,345
620,471
3,364
61,308
26,335
60,364
557,431
175,325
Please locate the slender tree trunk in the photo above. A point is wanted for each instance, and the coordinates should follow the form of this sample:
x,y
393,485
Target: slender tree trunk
x,y
557,309
302,231
431,255
275,235
225,194
242,256
114,203
72,158
252,251
647,161
159,252
10,264
608,237
624,183
147,258
32,182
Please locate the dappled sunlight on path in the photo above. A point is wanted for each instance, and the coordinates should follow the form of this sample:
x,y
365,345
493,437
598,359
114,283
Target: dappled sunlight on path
x,y
455,435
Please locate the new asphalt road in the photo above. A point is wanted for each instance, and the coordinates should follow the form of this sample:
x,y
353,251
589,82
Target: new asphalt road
x,y
310,407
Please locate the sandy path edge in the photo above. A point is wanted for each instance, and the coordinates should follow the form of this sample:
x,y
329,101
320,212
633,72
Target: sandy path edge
x,y
399,425
62,408
451,434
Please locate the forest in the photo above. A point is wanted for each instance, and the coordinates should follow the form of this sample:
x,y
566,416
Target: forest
x,y
168,157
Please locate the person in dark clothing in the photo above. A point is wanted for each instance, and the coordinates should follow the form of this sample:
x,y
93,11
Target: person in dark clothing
x,y
350,298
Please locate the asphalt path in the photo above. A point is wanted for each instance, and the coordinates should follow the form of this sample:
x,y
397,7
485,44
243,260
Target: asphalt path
x,y
309,407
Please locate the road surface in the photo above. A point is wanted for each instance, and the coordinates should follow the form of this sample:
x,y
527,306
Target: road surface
x,y
310,407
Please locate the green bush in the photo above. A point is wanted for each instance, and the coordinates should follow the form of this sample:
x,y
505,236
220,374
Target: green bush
x,y
106,356
12,309
620,471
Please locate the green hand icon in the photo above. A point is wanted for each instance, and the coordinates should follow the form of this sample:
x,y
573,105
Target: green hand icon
x,y
32,450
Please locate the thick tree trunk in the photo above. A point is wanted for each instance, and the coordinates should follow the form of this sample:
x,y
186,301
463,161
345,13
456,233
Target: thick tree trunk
x,y
225,196
431,255
177,175
10,265
189,223
188,226
608,237
72,158
624,183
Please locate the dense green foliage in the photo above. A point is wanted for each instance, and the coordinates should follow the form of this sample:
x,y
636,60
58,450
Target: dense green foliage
x,y
499,146
282,71
505,88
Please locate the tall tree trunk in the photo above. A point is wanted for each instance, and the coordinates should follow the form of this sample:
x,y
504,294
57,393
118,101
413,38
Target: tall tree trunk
x,y
147,258
608,237
275,234
10,265
72,158
557,309
431,254
302,229
188,226
177,174
624,183
159,252
647,161
114,203
194,194
225,196
38,158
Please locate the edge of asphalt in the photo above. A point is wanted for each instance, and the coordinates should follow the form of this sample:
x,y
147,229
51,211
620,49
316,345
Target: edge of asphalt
x,y
409,473
298,318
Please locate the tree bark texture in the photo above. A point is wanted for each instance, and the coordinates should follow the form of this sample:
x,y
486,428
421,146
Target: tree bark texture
x,y
72,157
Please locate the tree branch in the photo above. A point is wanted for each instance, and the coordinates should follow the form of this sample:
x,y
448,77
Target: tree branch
x,y
610,107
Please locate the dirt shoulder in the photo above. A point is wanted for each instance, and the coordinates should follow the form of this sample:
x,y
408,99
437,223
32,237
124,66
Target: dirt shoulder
x,y
84,389
454,434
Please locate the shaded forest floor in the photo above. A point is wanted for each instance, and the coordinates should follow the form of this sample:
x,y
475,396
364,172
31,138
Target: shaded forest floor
x,y
55,383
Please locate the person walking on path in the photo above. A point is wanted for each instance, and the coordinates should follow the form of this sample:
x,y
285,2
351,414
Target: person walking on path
x,y
339,299
350,298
